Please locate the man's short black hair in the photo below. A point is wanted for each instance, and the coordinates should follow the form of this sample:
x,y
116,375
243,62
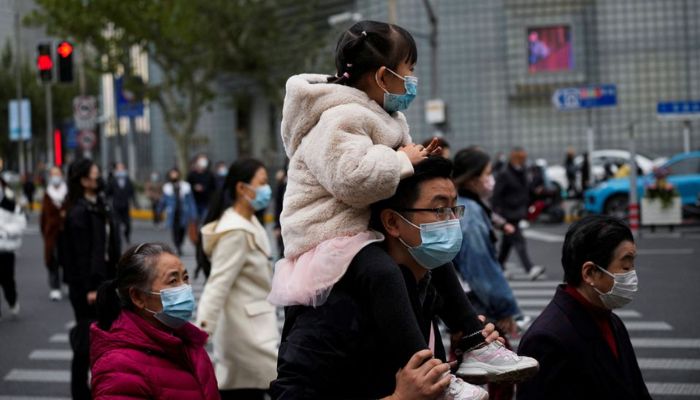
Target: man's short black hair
x,y
593,238
408,190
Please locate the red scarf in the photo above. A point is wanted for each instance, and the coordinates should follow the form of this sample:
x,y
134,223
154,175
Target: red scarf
x,y
600,316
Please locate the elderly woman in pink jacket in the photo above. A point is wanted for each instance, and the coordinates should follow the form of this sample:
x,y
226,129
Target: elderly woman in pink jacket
x,y
143,346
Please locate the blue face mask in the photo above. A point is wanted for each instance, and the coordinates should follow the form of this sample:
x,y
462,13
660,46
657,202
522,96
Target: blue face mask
x,y
178,306
263,195
121,174
399,102
440,243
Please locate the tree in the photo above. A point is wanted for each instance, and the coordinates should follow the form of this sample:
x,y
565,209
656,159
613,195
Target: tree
x,y
193,43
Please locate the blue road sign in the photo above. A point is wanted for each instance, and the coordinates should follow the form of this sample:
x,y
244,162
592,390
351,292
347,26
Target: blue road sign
x,y
20,129
127,104
585,97
679,110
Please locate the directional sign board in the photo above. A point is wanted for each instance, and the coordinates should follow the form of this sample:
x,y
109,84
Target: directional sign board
x,y
20,129
585,97
678,110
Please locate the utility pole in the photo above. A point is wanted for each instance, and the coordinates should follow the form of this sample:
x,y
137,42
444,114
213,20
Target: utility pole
x,y
18,81
634,196
393,18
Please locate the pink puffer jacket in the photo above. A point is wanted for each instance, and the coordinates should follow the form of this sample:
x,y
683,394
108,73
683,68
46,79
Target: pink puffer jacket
x,y
135,360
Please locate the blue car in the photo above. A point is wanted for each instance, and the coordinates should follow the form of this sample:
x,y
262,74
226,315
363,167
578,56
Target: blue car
x,y
612,197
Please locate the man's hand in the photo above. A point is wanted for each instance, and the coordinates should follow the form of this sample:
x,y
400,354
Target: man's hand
x,y
92,297
423,377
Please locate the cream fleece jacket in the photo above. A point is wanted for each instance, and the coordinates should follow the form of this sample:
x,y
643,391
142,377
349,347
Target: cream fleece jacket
x,y
342,157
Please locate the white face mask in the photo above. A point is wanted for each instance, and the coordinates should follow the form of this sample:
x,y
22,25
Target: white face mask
x,y
623,290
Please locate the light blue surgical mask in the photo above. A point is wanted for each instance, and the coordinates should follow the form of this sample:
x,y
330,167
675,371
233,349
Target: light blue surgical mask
x,y
399,102
121,174
263,195
178,306
440,242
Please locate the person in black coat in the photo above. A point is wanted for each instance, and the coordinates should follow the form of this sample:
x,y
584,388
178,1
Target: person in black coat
x,y
120,191
584,349
511,198
90,248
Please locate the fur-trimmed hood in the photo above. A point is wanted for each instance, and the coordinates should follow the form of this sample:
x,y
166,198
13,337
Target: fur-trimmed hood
x,y
308,96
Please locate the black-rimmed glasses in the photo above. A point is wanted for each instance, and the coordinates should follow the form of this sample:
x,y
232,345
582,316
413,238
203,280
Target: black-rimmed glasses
x,y
441,213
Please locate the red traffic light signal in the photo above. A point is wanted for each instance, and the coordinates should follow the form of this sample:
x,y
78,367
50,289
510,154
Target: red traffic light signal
x,y
64,49
44,61
64,62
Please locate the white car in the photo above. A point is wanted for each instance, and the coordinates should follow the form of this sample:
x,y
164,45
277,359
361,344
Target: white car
x,y
598,159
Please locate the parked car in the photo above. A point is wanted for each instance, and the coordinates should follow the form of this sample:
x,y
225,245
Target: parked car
x,y
612,197
598,159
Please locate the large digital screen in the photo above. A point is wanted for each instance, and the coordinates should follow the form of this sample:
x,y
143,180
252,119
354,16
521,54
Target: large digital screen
x,y
549,49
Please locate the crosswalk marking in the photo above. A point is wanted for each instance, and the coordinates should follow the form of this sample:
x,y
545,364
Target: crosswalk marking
x,y
532,302
666,343
59,338
39,375
533,284
530,312
686,364
534,292
673,389
648,326
64,355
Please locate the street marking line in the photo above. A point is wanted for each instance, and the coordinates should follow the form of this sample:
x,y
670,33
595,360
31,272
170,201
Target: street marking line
x,y
534,284
69,325
685,364
666,343
59,338
543,236
533,302
534,312
534,292
648,326
654,252
45,354
674,389
39,375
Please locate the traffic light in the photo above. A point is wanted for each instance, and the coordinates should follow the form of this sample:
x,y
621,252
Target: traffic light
x,y
44,61
64,50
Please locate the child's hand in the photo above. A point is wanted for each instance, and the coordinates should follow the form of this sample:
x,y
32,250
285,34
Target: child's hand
x,y
434,148
415,152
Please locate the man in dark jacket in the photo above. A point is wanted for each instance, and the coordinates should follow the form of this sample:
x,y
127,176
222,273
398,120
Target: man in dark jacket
x,y
120,191
203,185
338,349
511,198
584,349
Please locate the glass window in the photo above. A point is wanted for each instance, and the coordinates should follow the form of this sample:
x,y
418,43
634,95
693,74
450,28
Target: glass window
x,y
685,167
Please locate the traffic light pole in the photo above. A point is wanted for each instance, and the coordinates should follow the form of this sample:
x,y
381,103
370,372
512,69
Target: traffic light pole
x,y
49,125
18,79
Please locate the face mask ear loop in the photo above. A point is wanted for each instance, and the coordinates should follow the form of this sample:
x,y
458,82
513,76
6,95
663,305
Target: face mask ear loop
x,y
409,222
376,80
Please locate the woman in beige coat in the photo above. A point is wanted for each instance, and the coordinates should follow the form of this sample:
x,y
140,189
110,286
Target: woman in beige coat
x,y
233,308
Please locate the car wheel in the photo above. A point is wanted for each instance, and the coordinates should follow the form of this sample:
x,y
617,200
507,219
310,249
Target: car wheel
x,y
617,206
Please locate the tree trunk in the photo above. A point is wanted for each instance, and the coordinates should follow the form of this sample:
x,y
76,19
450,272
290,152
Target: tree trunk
x,y
182,152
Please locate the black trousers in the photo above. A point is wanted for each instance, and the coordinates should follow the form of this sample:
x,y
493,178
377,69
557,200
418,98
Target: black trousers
x,y
178,237
85,314
7,277
156,213
516,240
123,218
54,271
242,394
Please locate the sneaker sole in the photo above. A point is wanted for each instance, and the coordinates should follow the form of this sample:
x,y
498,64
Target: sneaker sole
x,y
478,376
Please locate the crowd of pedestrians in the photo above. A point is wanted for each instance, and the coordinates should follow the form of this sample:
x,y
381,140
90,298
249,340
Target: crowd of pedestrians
x,y
380,239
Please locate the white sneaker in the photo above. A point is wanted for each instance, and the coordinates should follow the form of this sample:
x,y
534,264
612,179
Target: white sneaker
x,y
14,310
55,295
535,272
495,363
461,390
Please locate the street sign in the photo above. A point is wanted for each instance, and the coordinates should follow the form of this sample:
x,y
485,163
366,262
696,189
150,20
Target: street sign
x,y
585,97
85,112
678,110
20,129
87,140
435,111
128,105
